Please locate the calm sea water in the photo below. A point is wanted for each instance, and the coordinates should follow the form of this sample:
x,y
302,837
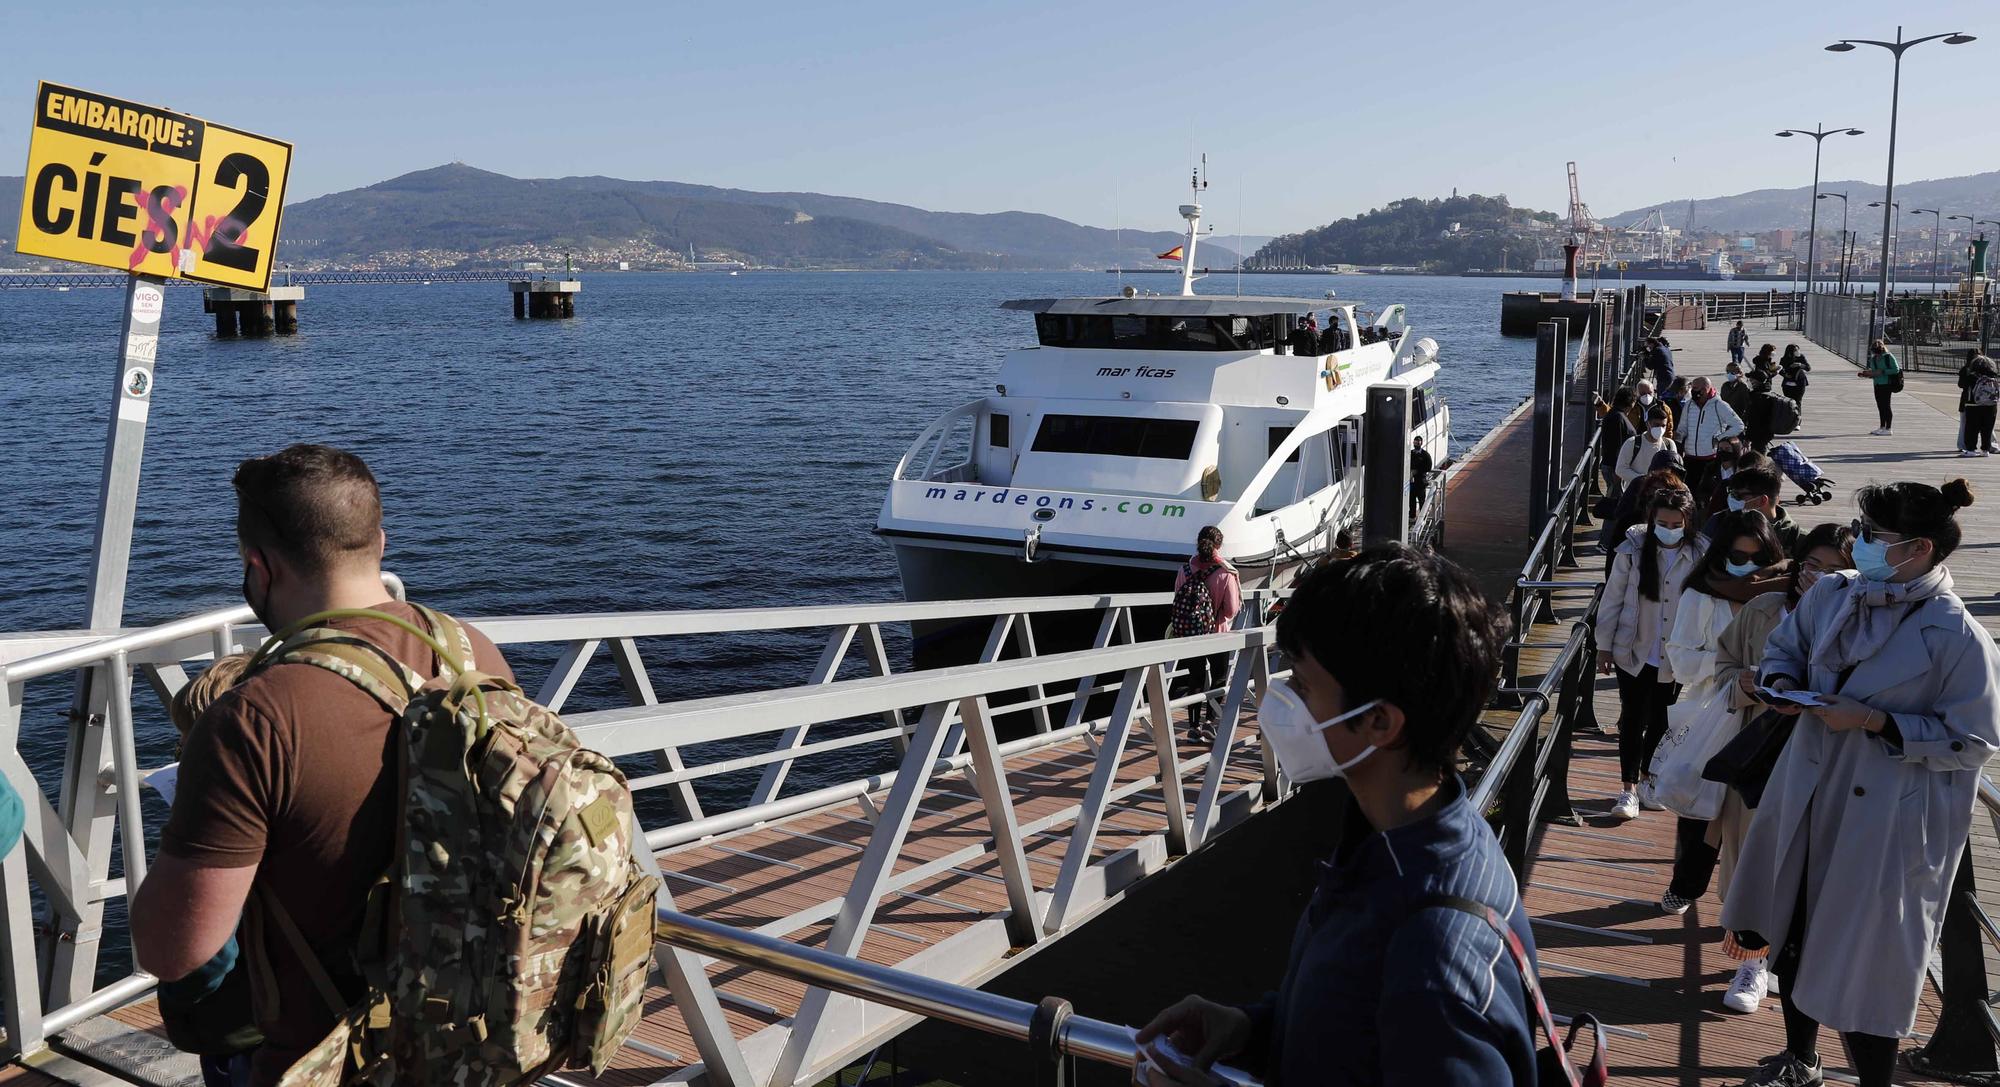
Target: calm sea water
x,y
687,441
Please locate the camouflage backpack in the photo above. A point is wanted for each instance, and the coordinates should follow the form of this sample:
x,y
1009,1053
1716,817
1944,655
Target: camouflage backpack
x,y
512,934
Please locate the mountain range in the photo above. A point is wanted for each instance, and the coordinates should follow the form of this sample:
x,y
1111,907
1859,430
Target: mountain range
x,y
459,215
1977,195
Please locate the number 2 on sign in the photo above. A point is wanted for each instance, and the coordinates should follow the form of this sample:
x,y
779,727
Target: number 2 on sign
x,y
250,173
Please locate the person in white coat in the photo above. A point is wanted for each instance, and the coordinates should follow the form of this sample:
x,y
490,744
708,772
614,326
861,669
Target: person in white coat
x,y
1634,617
1850,857
1742,544
1708,420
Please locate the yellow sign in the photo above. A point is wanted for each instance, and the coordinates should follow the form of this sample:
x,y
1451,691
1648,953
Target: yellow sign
x,y
150,191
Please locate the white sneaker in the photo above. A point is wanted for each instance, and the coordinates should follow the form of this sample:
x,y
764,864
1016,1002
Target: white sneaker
x,y
1627,806
1981,453
1879,431
1968,453
1747,992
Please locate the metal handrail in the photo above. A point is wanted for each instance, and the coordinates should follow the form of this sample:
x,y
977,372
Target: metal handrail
x,y
1076,1035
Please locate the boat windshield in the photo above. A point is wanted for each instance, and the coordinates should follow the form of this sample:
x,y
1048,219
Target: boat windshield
x,y
1148,333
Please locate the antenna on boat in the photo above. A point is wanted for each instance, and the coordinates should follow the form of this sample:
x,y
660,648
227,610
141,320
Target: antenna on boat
x,y
1198,180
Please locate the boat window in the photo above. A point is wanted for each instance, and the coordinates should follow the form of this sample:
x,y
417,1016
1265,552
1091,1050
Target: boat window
x,y
1131,332
1418,404
1278,436
996,430
1116,436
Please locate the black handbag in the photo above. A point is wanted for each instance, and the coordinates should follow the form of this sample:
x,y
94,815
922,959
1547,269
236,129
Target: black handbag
x,y
1746,761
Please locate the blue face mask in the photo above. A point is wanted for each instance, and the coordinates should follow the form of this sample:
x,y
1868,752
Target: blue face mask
x,y
1736,504
1739,569
1871,558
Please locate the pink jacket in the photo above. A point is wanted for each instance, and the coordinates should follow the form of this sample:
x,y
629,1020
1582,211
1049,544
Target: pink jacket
x,y
1224,590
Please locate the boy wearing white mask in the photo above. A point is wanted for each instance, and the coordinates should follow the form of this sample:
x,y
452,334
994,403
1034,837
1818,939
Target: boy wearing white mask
x,y
1390,979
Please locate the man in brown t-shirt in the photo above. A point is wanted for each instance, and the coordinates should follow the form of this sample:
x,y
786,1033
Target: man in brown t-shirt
x,y
287,783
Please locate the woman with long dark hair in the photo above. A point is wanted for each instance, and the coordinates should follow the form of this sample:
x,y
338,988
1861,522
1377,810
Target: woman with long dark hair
x,y
1633,620
1207,596
1849,861
1821,551
1743,544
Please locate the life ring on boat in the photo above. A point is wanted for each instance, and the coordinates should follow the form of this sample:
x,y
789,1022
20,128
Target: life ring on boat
x,y
1331,373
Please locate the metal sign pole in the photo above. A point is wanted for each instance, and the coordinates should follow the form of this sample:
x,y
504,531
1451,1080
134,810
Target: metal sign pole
x,y
85,812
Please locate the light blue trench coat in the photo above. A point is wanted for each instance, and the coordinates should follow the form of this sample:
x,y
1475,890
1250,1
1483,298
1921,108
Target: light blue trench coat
x,y
1875,831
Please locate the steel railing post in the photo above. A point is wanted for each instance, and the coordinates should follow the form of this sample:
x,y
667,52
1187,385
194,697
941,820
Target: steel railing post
x,y
1207,800
1173,792
687,980
20,969
639,691
1962,1041
1049,1066
1024,922
1096,798
823,673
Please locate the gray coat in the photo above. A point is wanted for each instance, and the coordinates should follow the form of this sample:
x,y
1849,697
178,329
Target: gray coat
x,y
1873,831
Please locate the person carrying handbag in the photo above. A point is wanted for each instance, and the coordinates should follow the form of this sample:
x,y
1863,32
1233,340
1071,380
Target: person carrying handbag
x,y
1887,373
1849,862
1737,656
1743,544
1633,620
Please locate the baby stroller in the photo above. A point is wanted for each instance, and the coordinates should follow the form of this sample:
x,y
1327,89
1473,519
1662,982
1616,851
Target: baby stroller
x,y
1799,468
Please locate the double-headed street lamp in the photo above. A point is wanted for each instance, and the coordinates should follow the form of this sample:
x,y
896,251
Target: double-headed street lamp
x,y
1819,135
1896,48
1890,248
1819,196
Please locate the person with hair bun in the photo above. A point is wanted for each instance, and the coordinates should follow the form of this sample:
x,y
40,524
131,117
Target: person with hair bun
x,y
1848,863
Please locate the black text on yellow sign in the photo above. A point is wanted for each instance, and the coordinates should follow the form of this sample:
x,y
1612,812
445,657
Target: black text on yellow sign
x,y
151,191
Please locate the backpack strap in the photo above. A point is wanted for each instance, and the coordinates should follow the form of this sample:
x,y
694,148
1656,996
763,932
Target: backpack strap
x,y
369,666
1598,1073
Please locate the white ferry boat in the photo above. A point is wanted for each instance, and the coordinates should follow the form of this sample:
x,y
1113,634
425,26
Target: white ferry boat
x,y
1137,419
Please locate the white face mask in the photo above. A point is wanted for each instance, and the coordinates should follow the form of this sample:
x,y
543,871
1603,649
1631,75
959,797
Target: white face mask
x,y
1669,536
1656,432
1287,724
1647,399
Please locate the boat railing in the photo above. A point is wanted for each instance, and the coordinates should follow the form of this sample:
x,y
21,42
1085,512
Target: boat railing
x,y
939,441
930,723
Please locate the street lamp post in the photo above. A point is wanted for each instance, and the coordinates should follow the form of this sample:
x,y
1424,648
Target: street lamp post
x,y
1937,225
1896,49
1819,196
1819,135
1972,224
1890,247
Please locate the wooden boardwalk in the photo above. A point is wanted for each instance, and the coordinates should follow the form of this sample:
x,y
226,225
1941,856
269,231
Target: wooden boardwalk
x,y
1605,945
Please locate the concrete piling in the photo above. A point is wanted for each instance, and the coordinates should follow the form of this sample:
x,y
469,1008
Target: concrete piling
x,y
253,313
544,297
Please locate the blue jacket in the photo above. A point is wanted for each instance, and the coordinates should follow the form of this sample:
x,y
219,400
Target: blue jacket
x,y
1661,361
1378,993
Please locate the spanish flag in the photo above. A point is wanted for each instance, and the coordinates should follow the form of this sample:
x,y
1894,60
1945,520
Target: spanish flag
x,y
1171,254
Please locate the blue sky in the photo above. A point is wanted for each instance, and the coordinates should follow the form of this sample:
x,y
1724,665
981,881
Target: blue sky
x,y
1308,111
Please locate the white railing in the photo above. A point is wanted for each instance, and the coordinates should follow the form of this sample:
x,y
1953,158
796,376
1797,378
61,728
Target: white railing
x,y
933,723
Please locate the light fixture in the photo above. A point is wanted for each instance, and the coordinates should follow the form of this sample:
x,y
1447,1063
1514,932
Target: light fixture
x,y
1854,132
1001,389
1960,39
1840,47
1283,400
1786,134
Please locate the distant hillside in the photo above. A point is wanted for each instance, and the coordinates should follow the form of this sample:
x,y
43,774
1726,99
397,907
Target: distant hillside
x,y
459,215
1027,239
1977,195
1443,235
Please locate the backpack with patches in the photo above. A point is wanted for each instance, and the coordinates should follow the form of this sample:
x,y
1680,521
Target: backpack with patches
x,y
1194,605
1986,391
512,933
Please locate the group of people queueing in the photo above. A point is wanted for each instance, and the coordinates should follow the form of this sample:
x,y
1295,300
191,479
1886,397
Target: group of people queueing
x,y
1815,711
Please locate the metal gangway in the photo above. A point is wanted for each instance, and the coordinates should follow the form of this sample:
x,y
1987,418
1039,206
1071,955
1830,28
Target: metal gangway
x,y
952,853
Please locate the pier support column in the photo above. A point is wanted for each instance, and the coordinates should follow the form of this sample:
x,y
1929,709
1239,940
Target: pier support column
x,y
1385,486
254,313
288,318
225,319
544,297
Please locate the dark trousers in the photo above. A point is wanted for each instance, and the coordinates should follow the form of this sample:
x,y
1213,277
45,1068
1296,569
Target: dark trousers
x,y
1694,859
1883,398
1700,471
1976,429
1642,718
1204,674
1873,1056
1736,355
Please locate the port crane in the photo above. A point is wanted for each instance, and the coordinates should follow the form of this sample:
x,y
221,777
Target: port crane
x,y
1583,228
